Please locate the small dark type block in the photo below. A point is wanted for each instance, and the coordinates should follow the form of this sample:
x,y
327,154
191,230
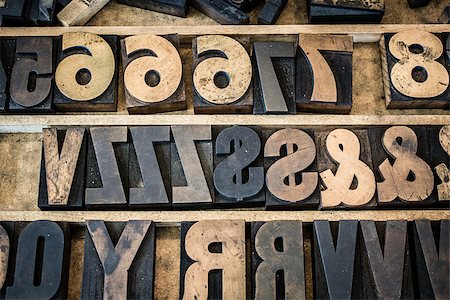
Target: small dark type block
x,y
278,268
403,177
271,11
345,11
172,7
222,75
274,86
151,83
412,77
245,5
38,261
86,72
13,12
107,167
238,166
291,169
7,53
445,16
221,11
3,85
335,268
41,12
119,260
192,166
213,260
31,81
432,259
385,260
63,164
344,163
439,159
324,73
418,3
149,167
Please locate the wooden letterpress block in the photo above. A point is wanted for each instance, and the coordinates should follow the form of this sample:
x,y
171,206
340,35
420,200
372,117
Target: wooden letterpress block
x,y
41,12
86,80
6,239
271,11
119,260
171,7
63,165
192,166
291,169
334,262
7,53
31,81
149,166
221,85
345,11
79,12
107,167
403,177
324,73
41,267
278,269
244,5
418,3
213,260
221,11
385,260
238,166
153,75
13,12
439,159
274,69
414,70
3,85
432,258
344,161
445,16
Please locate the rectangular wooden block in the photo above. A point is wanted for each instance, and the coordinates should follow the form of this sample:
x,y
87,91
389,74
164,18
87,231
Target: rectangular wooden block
x,y
41,12
153,73
63,164
7,256
345,11
7,56
14,12
221,11
79,12
172,7
244,5
271,11
291,169
238,166
439,160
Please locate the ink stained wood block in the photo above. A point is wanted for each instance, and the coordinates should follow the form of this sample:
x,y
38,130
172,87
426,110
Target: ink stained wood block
x,y
41,267
344,162
213,260
345,11
153,75
31,81
324,73
271,11
244,5
107,167
334,260
238,166
172,7
432,258
385,260
79,12
3,85
192,166
5,247
13,12
414,70
149,167
221,11
418,3
41,12
403,177
86,74
222,76
439,158
63,165
7,55
119,260
291,169
278,268
274,86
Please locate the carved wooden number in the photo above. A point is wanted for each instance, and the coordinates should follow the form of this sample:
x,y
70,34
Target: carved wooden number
x,y
149,177
213,260
192,165
414,73
119,260
345,169
442,170
86,78
324,73
62,171
222,76
291,179
153,74
274,89
238,173
4,255
107,161
278,270
409,178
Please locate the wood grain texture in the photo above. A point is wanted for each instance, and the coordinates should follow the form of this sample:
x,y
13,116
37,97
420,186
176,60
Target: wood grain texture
x,y
79,12
4,255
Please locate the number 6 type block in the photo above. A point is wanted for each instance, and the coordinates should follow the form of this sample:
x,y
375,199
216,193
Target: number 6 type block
x,y
414,72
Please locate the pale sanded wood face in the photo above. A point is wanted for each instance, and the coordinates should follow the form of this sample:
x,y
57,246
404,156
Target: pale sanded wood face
x,y
367,4
4,254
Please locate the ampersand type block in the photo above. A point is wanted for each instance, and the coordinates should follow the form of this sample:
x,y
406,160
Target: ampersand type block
x,y
439,159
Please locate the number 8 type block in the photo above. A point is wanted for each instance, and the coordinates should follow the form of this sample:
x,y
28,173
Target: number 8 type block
x,y
415,69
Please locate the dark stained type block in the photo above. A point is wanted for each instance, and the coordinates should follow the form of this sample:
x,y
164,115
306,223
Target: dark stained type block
x,y
418,3
41,12
221,11
172,7
13,13
271,11
345,11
